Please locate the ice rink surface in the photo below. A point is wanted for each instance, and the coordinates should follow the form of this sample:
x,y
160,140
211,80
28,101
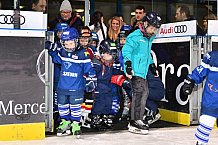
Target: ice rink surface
x,y
157,136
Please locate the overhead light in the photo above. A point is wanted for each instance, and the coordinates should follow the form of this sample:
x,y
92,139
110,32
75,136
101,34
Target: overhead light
x,y
21,7
132,13
79,10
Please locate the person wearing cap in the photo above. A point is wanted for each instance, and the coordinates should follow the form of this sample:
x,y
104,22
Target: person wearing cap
x,y
66,15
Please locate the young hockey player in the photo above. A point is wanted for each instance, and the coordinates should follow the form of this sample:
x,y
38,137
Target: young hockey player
x,y
209,106
60,27
85,38
102,108
95,40
75,64
137,58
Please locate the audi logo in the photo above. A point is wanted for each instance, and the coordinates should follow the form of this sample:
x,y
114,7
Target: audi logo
x,y
11,19
180,29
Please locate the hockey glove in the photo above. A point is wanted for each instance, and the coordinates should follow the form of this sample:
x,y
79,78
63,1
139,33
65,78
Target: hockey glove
x,y
50,46
128,67
188,86
117,79
91,84
153,69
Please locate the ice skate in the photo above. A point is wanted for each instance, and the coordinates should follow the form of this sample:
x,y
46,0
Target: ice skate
x,y
200,143
63,128
138,126
96,121
76,129
152,117
107,121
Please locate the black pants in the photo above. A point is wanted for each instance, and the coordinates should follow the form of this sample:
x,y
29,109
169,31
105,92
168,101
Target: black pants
x,y
140,95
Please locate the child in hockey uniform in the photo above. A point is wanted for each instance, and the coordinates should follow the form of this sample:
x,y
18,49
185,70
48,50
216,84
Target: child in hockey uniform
x,y
75,63
85,38
209,106
102,107
59,28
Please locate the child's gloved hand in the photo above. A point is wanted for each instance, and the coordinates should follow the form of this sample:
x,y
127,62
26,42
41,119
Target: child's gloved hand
x,y
154,69
188,86
50,45
91,84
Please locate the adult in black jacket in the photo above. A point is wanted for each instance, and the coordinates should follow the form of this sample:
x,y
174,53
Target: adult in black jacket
x,y
66,15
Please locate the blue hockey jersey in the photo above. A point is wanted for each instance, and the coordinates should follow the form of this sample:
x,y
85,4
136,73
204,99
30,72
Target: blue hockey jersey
x,y
208,70
74,65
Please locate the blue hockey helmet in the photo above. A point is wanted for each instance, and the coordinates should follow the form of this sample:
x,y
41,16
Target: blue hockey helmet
x,y
95,37
61,27
69,34
153,19
124,31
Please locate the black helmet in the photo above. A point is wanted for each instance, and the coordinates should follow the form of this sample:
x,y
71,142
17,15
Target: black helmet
x,y
153,19
108,47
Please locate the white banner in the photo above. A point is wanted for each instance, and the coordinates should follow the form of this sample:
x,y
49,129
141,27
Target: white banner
x,y
212,27
28,20
186,28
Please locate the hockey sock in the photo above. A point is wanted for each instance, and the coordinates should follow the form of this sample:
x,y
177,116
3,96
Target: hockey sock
x,y
203,131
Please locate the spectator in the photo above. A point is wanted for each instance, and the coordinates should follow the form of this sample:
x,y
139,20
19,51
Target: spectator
x,y
66,16
207,17
139,14
39,5
98,26
121,18
183,14
137,58
115,25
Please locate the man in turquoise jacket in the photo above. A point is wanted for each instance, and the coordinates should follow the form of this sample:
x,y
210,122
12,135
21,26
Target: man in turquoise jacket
x,y
137,58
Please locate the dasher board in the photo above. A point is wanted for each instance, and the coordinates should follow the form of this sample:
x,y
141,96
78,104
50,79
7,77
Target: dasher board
x,y
172,39
212,28
214,38
178,29
22,33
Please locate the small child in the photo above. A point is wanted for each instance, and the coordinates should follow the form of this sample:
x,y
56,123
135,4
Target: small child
x,y
209,106
85,38
104,90
75,64
95,40
60,27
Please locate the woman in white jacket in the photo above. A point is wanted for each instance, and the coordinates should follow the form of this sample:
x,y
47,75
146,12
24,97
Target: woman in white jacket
x,y
98,26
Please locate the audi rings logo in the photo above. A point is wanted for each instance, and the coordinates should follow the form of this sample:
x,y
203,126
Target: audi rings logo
x,y
180,29
11,19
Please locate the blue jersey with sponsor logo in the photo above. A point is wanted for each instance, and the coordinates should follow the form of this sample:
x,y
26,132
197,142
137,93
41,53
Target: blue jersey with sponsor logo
x,y
208,70
74,65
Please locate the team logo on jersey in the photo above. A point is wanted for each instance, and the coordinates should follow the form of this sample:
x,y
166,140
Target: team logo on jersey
x,y
67,65
86,53
212,88
74,57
